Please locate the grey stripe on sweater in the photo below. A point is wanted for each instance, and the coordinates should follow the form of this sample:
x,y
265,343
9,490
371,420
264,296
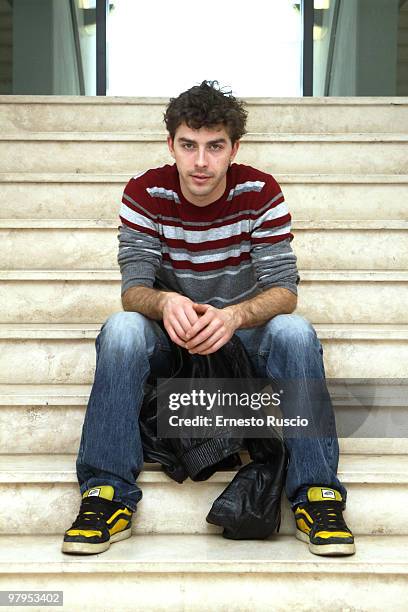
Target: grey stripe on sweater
x,y
140,261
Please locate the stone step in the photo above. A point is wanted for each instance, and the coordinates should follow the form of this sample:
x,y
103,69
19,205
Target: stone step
x,y
113,152
64,354
40,495
43,419
98,196
84,244
136,115
90,296
209,573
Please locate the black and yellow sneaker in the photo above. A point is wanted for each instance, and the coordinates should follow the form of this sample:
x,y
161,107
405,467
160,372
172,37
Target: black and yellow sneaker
x,y
100,521
320,523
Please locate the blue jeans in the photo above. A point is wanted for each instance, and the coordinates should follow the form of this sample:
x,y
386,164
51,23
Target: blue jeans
x,y
131,346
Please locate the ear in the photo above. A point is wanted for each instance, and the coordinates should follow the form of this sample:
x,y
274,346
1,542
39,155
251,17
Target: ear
x,y
170,144
234,150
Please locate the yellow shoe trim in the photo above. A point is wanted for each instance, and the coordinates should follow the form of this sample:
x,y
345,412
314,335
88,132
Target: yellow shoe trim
x,y
117,513
84,532
302,525
303,511
120,526
332,534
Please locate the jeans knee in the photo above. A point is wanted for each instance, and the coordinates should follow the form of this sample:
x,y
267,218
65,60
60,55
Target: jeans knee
x,y
123,331
293,332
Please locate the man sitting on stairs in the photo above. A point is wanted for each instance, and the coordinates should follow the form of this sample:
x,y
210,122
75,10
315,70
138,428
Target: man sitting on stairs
x,y
204,246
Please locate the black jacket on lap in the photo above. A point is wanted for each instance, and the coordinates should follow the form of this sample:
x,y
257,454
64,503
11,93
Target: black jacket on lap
x,y
249,507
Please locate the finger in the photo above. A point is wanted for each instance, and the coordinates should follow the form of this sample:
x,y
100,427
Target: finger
x,y
191,314
214,347
174,337
183,321
209,341
205,334
201,308
181,324
175,331
202,322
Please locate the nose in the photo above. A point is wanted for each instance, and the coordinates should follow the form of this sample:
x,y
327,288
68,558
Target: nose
x,y
201,158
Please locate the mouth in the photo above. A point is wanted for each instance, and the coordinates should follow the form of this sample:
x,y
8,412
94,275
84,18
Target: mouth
x,y
200,178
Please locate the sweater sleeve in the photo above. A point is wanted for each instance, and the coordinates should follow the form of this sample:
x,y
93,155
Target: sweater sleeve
x,y
272,256
139,254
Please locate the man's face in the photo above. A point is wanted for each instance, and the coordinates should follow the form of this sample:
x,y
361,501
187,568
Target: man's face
x,y
202,158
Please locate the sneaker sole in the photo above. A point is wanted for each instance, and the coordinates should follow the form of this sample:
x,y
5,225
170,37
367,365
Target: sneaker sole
x,y
330,550
83,548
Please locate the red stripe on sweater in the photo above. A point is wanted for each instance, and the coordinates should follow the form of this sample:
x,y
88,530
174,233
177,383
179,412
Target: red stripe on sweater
x,y
204,228
167,210
275,222
140,228
195,228
177,243
139,210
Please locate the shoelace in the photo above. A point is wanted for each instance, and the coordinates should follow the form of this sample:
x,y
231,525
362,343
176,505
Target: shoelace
x,y
93,513
328,515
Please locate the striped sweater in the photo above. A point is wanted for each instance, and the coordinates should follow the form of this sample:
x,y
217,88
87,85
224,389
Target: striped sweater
x,y
218,254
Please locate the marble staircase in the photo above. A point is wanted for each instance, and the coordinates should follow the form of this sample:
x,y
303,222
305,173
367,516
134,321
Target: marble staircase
x,y
343,167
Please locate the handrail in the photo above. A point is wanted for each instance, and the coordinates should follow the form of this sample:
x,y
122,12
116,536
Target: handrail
x,y
102,9
307,11
77,42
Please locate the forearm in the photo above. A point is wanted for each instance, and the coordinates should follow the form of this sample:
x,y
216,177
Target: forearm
x,y
263,307
147,301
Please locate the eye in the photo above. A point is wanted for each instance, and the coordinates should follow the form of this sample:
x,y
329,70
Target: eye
x,y
188,146
215,147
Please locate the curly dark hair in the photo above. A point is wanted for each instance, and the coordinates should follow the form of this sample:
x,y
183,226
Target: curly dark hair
x,y
207,105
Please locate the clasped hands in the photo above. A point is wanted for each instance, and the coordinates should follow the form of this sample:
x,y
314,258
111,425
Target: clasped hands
x,y
199,328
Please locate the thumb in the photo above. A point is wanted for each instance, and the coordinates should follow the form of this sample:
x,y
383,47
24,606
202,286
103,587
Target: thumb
x,y
200,308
